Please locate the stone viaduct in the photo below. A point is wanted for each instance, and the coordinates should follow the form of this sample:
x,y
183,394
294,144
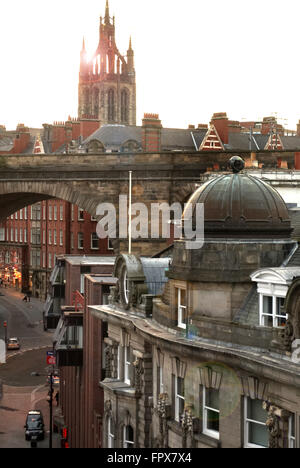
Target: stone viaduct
x,y
89,179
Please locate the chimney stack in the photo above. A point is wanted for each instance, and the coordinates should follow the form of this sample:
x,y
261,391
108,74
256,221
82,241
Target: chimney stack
x,y
151,133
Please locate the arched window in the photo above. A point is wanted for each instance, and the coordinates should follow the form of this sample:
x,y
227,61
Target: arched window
x,y
111,105
96,102
86,101
128,437
124,106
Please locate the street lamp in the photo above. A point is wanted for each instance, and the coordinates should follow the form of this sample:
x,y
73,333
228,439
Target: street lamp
x,y
5,331
50,401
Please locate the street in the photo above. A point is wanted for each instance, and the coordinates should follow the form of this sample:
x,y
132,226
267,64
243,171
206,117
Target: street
x,y
24,376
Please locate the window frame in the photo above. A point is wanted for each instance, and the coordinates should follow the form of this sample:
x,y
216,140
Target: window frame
x,y
205,409
180,322
292,431
178,398
126,440
94,238
275,317
248,421
127,365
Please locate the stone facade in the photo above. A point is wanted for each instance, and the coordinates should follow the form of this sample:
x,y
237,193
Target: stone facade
x,y
190,370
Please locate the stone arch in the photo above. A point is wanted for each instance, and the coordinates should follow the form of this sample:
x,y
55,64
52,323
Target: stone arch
x,y
86,101
96,101
111,105
16,195
95,147
130,146
125,96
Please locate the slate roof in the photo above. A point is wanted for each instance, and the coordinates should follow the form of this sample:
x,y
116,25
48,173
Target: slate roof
x,y
155,273
249,312
241,141
6,143
114,136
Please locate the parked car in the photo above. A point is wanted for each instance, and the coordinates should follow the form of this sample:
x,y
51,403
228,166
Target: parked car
x,y
34,426
12,343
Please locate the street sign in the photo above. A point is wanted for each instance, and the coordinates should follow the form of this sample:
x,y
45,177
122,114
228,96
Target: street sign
x,y
51,360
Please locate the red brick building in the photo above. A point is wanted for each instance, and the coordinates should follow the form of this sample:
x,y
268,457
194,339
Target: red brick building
x,y
41,232
79,345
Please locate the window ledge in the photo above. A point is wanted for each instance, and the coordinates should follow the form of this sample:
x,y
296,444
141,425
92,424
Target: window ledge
x,y
117,386
207,440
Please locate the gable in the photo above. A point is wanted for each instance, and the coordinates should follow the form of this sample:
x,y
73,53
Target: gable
x,y
274,142
211,141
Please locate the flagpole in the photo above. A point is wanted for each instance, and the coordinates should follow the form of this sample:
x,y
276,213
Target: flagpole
x,y
129,213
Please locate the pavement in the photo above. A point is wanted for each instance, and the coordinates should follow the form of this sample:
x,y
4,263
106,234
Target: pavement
x,y
23,378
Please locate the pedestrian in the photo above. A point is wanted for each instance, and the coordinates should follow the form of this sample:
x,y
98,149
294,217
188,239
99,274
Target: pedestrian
x,y
28,297
24,298
57,398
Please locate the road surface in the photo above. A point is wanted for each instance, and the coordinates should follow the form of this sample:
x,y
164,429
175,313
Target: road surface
x,y
23,376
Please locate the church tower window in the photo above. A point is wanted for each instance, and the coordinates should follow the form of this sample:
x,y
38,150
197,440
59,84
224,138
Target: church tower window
x,y
124,107
111,105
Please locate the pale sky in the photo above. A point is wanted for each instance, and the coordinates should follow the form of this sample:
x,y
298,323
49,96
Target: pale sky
x,y
192,58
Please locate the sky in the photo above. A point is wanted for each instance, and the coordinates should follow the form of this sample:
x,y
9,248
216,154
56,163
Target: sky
x,y
192,58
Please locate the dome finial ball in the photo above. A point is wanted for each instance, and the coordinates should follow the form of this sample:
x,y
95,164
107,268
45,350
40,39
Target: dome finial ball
x,y
236,164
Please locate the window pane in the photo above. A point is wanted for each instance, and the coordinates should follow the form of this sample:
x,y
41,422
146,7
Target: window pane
x,y
267,305
180,386
129,433
258,435
267,320
182,297
256,411
213,420
279,304
212,398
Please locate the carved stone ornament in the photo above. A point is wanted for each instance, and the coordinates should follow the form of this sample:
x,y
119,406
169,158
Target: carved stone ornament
x,y
162,403
287,336
138,372
107,406
186,425
108,361
277,424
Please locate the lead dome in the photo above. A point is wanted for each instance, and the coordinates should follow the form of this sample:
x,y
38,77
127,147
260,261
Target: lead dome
x,y
239,205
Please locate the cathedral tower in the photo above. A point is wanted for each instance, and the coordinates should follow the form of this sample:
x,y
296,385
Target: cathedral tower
x,y
107,88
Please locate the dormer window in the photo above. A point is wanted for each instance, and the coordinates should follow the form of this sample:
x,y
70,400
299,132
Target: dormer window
x,y
272,287
270,311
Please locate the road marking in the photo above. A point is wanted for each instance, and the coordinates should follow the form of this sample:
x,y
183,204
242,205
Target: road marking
x,y
32,397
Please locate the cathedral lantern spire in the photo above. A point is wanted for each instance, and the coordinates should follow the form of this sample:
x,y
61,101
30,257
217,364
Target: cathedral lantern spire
x,y
106,19
130,57
107,86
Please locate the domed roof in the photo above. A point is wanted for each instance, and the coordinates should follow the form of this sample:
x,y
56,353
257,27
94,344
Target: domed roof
x,y
240,205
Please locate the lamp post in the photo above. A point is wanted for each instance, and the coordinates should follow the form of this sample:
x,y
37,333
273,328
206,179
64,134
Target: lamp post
x,y
5,331
50,401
